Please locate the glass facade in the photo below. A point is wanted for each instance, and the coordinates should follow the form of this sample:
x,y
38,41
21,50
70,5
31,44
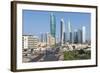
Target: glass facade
x,y
53,25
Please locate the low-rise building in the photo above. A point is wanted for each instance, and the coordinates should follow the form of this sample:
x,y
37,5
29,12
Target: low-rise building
x,y
29,42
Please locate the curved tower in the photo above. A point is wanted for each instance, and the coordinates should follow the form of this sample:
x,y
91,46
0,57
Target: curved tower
x,y
62,32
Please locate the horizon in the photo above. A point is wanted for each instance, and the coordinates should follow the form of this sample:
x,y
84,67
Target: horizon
x,y
33,20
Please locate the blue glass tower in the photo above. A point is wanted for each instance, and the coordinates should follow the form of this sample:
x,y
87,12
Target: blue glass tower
x,y
53,25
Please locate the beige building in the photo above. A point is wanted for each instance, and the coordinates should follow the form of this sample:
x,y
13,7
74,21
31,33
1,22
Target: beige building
x,y
29,41
50,40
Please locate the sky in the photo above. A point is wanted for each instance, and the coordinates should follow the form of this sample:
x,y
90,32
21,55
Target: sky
x,y
36,22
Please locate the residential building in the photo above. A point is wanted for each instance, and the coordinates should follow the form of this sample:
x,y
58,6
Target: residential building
x,y
29,42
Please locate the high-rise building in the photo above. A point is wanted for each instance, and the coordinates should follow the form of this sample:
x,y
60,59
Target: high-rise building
x,y
83,34
75,36
64,40
79,36
53,25
62,32
70,37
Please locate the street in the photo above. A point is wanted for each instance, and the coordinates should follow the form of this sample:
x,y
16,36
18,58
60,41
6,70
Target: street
x,y
48,55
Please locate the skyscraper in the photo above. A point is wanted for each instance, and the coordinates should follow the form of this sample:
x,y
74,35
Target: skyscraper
x,y
83,34
62,32
52,25
69,26
75,36
79,36
69,32
64,40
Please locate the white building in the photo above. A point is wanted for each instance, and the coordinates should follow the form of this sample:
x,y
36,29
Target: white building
x,y
29,41
62,32
83,34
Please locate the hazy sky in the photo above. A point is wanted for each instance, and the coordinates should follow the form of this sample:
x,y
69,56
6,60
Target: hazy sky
x,y
36,22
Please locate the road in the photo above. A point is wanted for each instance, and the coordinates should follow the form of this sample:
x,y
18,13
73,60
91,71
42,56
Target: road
x,y
49,55
37,58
